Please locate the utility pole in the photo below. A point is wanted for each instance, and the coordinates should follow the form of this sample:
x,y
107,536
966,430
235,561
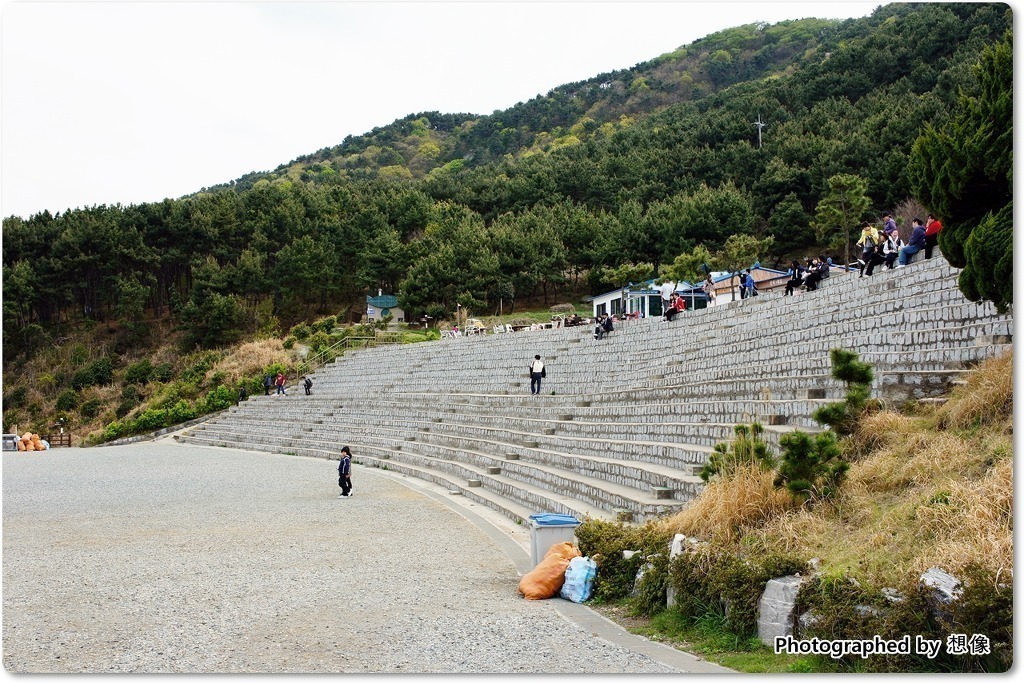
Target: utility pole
x,y
760,124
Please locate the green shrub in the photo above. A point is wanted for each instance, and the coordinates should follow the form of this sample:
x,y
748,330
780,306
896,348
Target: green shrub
x,y
181,412
811,466
67,400
301,331
216,400
163,372
747,447
90,409
79,354
102,371
196,371
11,418
842,416
149,420
605,541
113,431
289,342
328,324
319,341
139,373
16,398
82,378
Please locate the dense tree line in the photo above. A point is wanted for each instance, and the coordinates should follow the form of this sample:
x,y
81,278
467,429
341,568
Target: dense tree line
x,y
634,167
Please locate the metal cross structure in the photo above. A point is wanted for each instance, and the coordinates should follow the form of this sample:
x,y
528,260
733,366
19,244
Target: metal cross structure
x,y
760,124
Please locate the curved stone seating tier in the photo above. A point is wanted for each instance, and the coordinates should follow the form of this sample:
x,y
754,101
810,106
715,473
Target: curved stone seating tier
x,y
623,424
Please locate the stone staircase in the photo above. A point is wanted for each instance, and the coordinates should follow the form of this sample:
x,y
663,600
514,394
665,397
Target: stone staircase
x,y
624,424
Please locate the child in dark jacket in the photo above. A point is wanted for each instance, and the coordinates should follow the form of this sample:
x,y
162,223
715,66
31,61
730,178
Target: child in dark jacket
x,y
345,472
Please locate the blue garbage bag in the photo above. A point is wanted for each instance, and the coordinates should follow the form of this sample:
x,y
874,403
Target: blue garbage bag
x,y
579,579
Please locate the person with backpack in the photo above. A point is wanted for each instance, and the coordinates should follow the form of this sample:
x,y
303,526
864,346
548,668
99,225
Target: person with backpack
x,y
268,382
307,384
345,472
536,373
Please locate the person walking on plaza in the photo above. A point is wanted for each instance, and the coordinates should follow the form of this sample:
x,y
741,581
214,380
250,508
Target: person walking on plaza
x,y
345,472
536,373
279,383
931,235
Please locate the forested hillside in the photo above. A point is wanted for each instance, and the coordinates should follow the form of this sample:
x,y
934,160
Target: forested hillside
x,y
566,194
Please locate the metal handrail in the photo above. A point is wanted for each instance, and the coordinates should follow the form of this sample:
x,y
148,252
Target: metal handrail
x,y
319,359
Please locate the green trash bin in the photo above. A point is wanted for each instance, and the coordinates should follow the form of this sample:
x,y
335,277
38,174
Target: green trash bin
x,y
547,529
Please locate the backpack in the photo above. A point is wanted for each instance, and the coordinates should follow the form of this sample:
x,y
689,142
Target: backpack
x,y
544,372
308,383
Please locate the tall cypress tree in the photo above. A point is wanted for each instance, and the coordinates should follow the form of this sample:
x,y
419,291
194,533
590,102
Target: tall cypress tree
x,y
963,171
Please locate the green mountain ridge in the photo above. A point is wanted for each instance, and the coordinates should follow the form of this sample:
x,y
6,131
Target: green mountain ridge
x,y
575,192
568,114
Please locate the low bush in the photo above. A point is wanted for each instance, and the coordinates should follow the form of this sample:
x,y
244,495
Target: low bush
x,y
67,400
605,541
139,373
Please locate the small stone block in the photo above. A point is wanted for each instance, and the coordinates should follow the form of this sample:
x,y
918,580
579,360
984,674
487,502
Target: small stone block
x,y
548,431
565,416
531,445
583,404
511,457
410,439
662,492
777,419
474,483
493,470
817,393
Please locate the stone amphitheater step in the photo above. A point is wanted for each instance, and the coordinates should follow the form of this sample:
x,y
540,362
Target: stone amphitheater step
x,y
659,391
507,495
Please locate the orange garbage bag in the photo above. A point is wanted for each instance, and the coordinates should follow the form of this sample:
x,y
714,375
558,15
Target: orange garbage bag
x,y
21,446
545,580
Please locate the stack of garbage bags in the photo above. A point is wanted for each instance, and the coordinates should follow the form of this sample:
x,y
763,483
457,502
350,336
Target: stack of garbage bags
x,y
31,442
564,572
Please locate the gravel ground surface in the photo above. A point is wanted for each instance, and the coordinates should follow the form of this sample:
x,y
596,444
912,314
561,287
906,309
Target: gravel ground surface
x,y
162,558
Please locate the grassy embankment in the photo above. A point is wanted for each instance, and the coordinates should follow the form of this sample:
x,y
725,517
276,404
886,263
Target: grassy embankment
x,y
929,487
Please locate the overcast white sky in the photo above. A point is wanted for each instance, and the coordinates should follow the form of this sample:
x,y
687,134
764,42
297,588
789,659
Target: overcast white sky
x,y
130,102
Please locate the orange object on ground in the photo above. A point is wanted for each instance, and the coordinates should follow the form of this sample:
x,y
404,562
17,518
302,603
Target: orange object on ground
x,y
545,580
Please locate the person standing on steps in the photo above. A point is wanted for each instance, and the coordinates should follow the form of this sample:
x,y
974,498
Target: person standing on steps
x,y
307,383
345,472
536,373
279,383
268,382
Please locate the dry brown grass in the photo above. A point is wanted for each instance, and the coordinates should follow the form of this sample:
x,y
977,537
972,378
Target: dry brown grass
x,y
727,506
987,399
918,497
250,359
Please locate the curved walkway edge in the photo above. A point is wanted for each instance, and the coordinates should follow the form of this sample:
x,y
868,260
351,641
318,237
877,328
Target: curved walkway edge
x,y
587,618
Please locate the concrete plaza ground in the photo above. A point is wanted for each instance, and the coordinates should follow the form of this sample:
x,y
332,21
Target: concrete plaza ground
x,y
157,557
